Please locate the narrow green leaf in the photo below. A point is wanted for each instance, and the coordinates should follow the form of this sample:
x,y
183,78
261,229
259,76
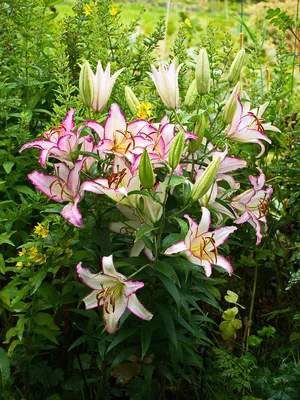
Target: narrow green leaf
x,y
146,335
143,230
169,324
120,337
167,270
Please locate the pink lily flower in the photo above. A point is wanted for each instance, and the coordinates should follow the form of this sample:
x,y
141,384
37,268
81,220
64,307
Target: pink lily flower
x,y
247,126
166,82
113,292
252,205
159,149
200,246
62,187
61,141
117,185
120,139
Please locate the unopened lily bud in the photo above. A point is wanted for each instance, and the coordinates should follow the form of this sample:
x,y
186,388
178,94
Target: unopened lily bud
x,y
176,150
191,94
203,73
199,131
206,180
231,104
236,66
131,99
146,174
86,85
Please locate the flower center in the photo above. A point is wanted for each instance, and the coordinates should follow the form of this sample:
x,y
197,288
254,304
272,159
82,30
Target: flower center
x,y
200,249
108,296
116,178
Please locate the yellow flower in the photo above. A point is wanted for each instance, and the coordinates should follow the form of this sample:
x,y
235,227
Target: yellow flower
x,y
59,251
41,231
33,252
87,9
143,110
22,253
113,11
19,265
68,250
188,22
41,258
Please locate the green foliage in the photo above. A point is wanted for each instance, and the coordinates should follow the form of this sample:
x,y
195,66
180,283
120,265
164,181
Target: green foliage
x,y
53,346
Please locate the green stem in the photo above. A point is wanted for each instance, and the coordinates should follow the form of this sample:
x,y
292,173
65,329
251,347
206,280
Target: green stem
x,y
138,271
252,305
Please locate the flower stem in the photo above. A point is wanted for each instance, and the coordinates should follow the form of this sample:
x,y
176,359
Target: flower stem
x,y
252,305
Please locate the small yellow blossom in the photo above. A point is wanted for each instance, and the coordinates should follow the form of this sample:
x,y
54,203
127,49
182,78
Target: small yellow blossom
x,y
113,11
68,250
41,231
68,242
59,251
188,22
143,110
33,252
87,9
19,265
41,258
22,253
28,264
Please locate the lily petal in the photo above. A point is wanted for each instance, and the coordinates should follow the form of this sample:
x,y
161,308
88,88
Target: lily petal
x,y
137,308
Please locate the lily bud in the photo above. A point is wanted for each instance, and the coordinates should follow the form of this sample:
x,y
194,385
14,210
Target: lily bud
x,y
131,99
146,174
191,94
86,85
206,180
176,150
203,73
95,89
236,66
231,104
199,131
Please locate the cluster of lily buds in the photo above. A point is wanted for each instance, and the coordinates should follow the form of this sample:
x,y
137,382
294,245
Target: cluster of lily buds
x,y
140,162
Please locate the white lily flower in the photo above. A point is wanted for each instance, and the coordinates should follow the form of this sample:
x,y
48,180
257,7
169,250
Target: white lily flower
x,y
113,292
95,89
166,82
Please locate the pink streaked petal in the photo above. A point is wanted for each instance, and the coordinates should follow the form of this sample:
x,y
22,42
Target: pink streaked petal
x,y
194,260
205,222
224,263
269,127
131,287
69,122
220,236
243,198
108,267
94,187
207,267
111,317
91,300
259,181
48,184
178,247
254,222
96,127
231,164
137,308
243,218
193,228
44,154
114,122
95,281
72,214
40,144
